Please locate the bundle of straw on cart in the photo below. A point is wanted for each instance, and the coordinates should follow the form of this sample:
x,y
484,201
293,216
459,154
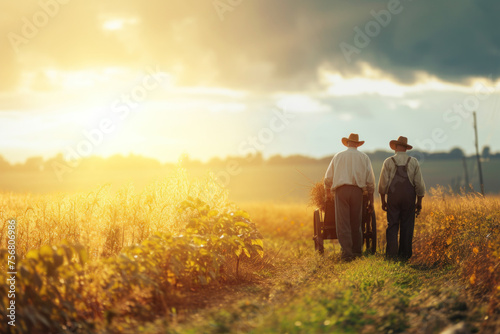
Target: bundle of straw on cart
x,y
317,195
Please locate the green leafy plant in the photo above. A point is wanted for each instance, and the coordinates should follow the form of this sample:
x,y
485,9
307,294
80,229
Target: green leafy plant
x,y
222,232
48,291
56,291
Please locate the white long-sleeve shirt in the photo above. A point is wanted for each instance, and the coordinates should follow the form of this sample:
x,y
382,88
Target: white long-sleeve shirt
x,y
389,171
350,167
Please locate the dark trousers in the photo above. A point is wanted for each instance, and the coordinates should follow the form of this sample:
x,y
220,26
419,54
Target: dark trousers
x,y
348,214
400,218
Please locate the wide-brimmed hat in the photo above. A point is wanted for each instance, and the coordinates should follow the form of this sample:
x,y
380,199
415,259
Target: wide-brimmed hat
x,y
401,141
353,138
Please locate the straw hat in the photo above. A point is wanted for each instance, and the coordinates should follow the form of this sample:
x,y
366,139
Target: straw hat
x,y
401,141
353,138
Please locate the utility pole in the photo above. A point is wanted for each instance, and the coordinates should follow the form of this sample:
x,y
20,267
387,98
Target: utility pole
x,y
478,157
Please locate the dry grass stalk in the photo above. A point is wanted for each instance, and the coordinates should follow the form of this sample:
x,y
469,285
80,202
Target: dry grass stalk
x,y
317,195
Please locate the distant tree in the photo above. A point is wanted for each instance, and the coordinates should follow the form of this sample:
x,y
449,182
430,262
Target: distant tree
x,y
59,158
33,164
190,163
421,156
456,153
276,160
256,159
326,160
186,161
486,154
300,159
4,164
439,156
305,159
58,166
296,159
379,155
130,162
216,162
92,163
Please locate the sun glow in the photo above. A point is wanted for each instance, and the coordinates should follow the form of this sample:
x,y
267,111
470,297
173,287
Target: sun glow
x,y
113,25
95,79
116,24
301,103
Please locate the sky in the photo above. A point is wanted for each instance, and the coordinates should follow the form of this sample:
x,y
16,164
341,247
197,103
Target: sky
x,y
233,77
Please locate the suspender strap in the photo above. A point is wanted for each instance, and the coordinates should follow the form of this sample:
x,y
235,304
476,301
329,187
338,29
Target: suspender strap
x,y
406,165
407,162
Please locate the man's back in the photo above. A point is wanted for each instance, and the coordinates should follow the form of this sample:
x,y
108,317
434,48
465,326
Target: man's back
x,y
349,172
351,167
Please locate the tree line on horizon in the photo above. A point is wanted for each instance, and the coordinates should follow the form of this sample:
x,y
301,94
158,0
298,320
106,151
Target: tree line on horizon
x,y
134,162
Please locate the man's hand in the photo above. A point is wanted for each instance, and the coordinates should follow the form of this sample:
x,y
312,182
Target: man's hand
x,y
418,206
371,208
384,203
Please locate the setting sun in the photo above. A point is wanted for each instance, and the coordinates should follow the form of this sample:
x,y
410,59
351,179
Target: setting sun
x,y
113,24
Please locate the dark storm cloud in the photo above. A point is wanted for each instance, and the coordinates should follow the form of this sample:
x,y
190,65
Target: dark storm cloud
x,y
260,44
453,40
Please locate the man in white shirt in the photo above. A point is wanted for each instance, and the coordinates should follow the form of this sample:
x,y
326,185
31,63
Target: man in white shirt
x,y
349,174
401,180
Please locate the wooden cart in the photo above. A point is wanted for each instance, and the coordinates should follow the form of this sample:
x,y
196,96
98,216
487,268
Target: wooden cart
x,y
324,226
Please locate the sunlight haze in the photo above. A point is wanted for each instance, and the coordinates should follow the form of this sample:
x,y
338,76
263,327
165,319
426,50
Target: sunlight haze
x,y
177,78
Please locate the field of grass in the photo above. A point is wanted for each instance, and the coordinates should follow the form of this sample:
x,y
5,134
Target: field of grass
x,y
178,256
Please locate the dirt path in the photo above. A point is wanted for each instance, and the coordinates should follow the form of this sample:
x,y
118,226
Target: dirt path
x,y
321,295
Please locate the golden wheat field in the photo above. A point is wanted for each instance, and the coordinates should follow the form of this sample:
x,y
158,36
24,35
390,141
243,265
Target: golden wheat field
x,y
104,221
84,259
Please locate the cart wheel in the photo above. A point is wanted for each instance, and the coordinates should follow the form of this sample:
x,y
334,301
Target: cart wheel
x,y
374,232
370,234
318,233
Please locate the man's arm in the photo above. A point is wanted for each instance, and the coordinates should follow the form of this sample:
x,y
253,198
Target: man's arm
x,y
419,183
382,185
328,180
370,184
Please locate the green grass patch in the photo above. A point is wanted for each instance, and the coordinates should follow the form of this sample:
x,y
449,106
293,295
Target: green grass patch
x,y
317,294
